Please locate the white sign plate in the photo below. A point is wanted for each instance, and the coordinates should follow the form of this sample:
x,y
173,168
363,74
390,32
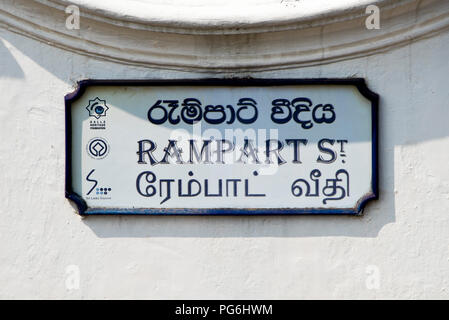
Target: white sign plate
x,y
246,146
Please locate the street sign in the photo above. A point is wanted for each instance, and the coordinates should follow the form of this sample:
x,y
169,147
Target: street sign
x,y
215,146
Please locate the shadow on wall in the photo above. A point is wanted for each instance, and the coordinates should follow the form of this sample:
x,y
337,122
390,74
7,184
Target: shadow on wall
x,y
394,131
9,68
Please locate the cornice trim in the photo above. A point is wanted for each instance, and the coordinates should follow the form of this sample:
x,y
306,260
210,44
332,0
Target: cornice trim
x,y
331,41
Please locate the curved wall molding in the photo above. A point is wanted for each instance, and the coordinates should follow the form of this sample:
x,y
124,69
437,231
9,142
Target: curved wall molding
x,y
220,16
216,38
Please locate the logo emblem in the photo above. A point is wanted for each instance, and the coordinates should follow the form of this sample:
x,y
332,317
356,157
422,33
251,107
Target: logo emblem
x,y
95,182
97,148
102,192
97,108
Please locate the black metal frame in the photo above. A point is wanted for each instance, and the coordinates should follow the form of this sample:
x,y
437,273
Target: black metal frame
x,y
245,82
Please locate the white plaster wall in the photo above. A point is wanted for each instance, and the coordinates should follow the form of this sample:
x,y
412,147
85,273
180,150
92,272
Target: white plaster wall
x,y
404,235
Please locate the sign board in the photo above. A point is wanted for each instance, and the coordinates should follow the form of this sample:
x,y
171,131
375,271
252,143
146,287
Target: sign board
x,y
237,146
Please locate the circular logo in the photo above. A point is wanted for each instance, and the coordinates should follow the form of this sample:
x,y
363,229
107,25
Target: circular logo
x,y
99,110
97,148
